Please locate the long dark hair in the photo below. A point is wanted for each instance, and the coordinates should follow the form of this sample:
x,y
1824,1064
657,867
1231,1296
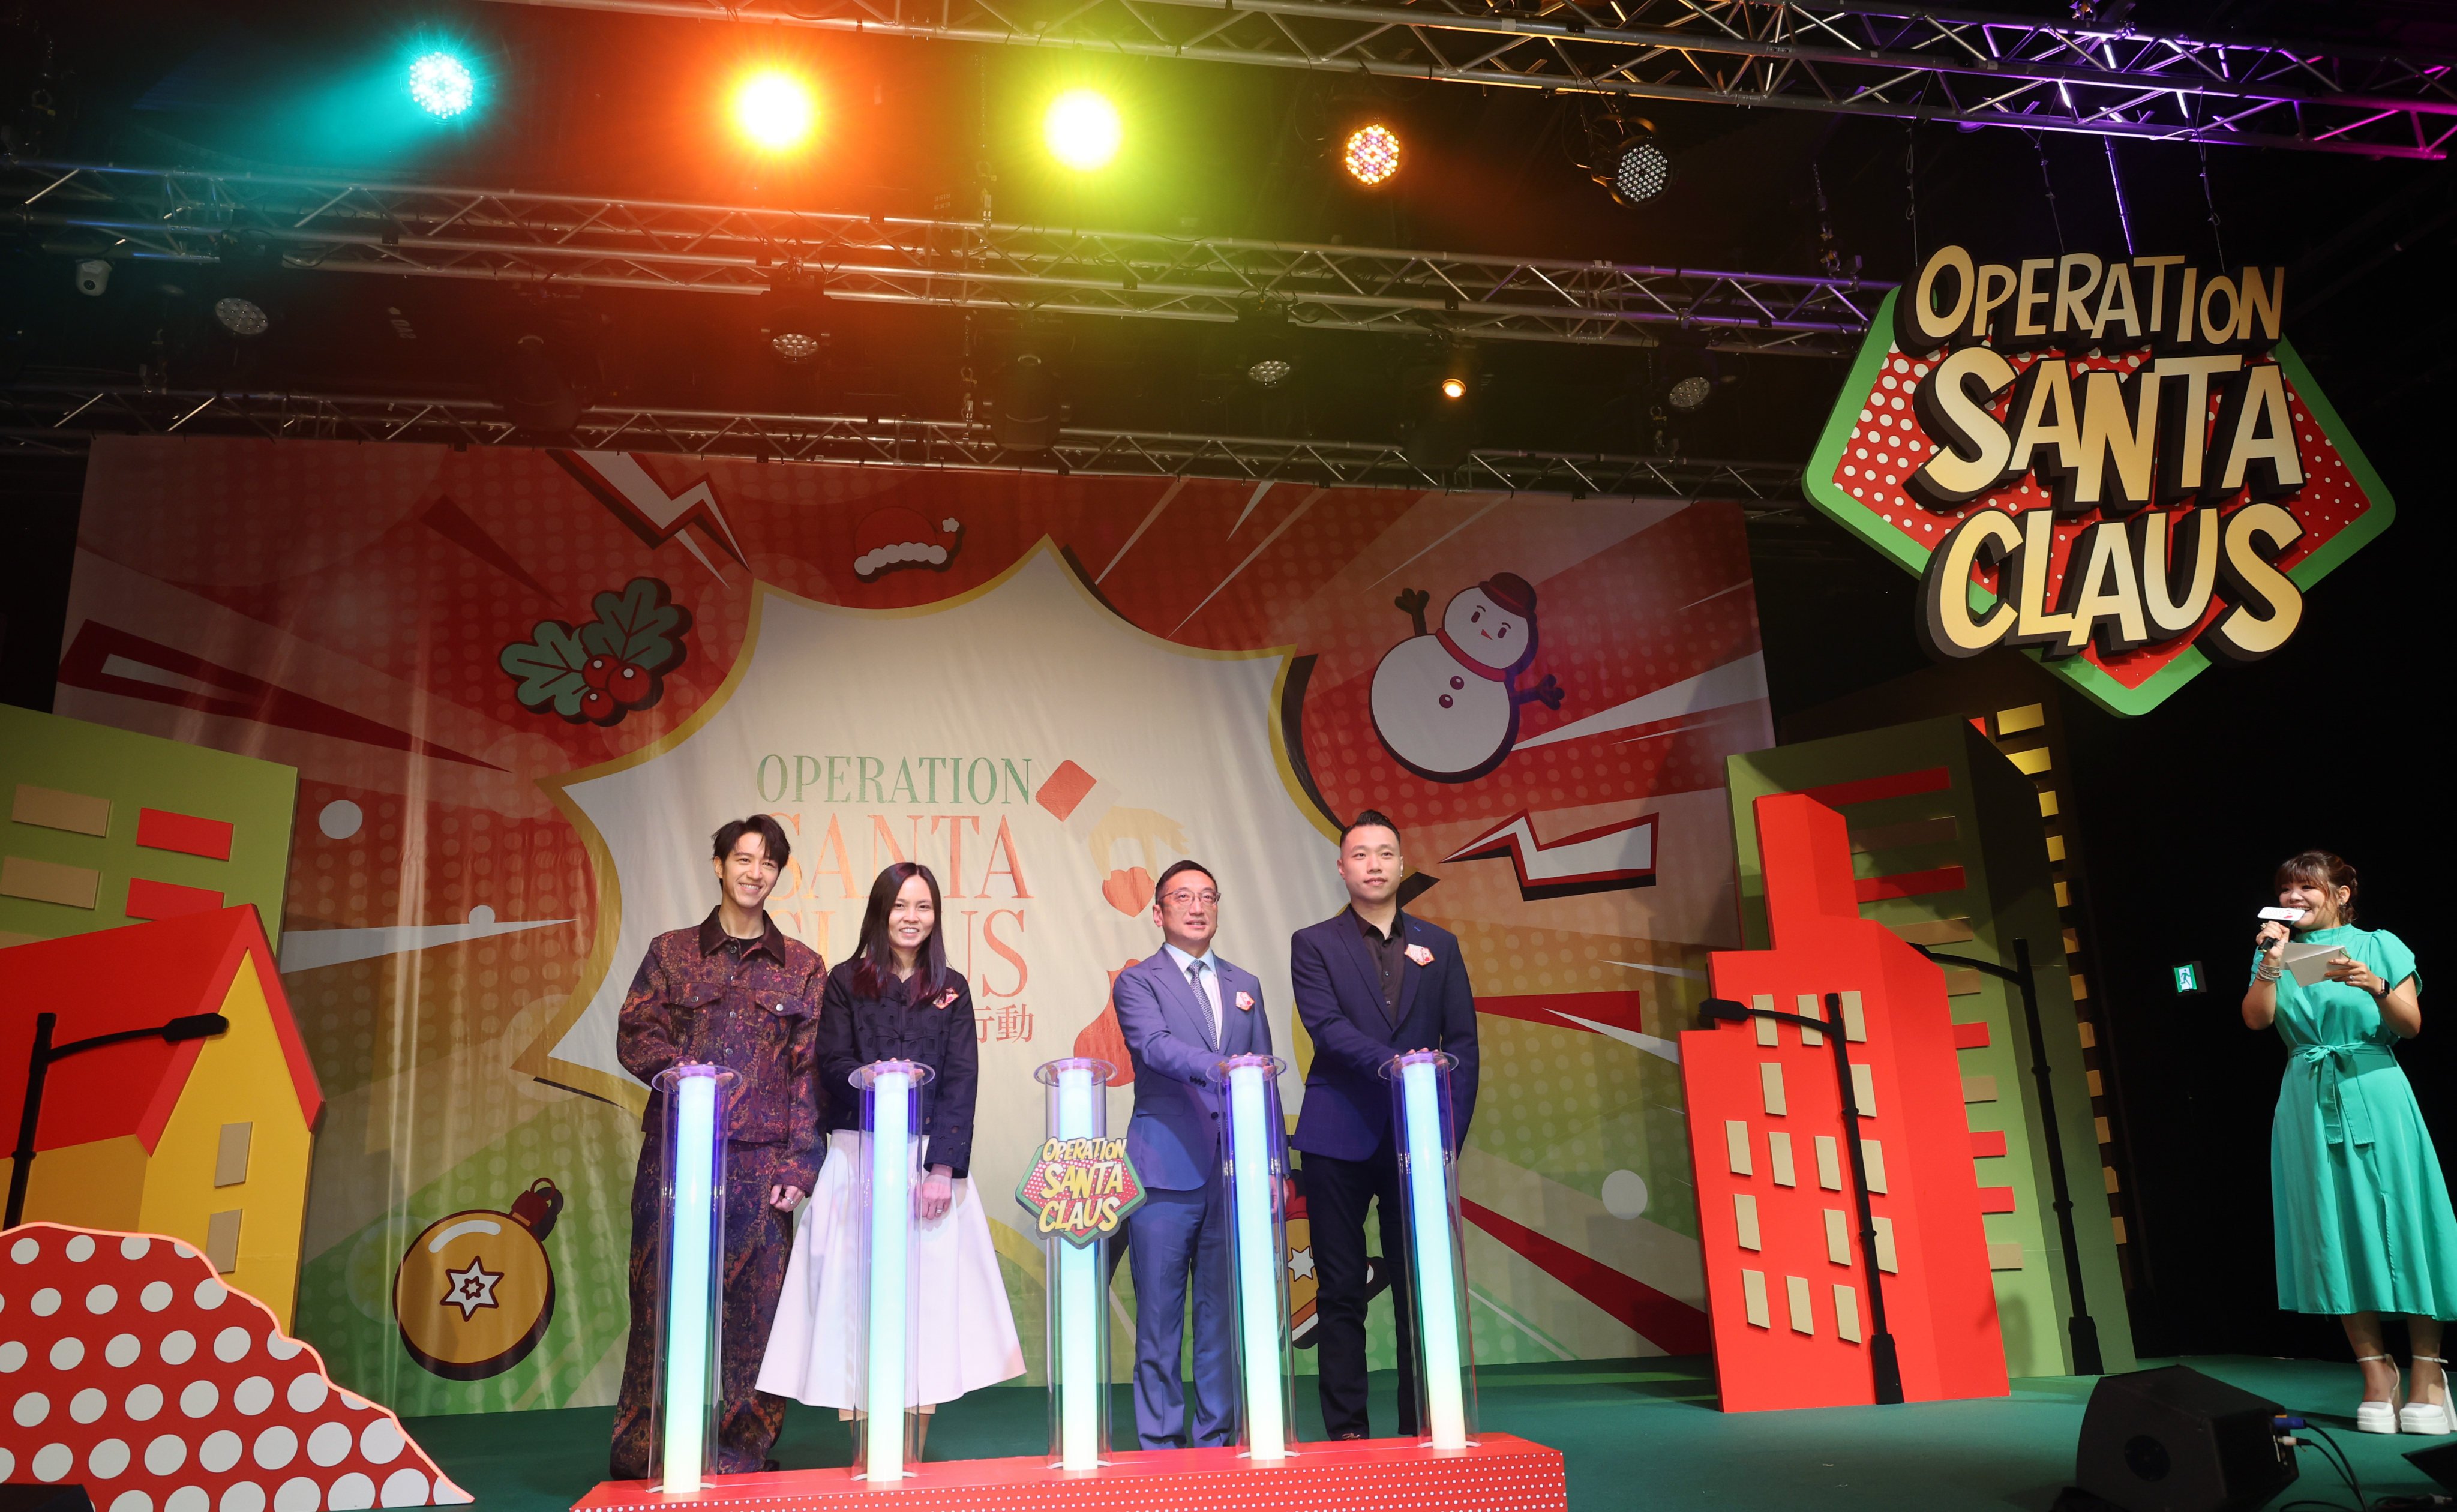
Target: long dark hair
x,y
873,972
2322,870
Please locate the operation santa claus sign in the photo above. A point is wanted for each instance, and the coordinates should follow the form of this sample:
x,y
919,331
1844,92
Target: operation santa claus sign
x,y
2118,465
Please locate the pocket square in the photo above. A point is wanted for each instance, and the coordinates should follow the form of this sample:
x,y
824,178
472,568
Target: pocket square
x,y
1246,1000
1420,954
945,998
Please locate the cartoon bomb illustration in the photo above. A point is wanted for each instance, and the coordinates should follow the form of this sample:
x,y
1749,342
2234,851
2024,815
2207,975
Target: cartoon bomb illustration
x,y
1446,704
897,537
475,1291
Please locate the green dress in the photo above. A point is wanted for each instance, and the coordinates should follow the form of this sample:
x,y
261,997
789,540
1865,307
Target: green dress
x,y
2363,1216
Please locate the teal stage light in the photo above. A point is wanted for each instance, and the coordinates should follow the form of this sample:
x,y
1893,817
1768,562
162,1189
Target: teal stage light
x,y
441,84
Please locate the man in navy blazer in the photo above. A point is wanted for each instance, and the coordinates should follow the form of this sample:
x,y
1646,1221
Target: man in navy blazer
x,y
1182,1011
1370,983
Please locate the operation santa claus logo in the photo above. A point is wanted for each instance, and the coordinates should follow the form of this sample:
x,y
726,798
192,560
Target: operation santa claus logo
x,y
2119,464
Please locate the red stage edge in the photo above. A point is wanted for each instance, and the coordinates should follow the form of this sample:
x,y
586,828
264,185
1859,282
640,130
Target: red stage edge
x,y
1498,1474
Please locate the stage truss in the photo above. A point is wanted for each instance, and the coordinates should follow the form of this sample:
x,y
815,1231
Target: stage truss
x,y
66,416
1853,58
510,237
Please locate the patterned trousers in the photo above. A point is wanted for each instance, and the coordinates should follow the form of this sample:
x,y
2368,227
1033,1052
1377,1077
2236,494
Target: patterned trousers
x,y
758,1240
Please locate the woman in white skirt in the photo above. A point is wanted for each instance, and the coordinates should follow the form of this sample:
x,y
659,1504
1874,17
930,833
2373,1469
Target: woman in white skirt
x,y
896,998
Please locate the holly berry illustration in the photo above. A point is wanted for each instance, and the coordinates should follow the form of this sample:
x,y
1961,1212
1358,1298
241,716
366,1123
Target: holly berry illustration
x,y
617,662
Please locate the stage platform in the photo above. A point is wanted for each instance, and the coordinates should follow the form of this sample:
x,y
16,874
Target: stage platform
x,y
1636,1435
1500,1473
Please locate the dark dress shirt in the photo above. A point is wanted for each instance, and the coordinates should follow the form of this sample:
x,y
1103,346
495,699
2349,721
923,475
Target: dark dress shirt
x,y
857,1028
1388,951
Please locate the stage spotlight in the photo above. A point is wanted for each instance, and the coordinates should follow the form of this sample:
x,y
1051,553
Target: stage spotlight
x,y
1687,371
794,320
530,385
1260,346
1624,155
774,109
1026,409
1372,155
1082,129
240,316
1639,172
441,84
1453,387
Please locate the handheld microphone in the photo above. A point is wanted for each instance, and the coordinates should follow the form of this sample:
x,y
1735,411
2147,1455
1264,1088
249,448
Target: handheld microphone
x,y
2282,916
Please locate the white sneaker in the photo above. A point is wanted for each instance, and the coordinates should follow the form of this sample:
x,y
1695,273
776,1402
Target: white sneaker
x,y
2377,1417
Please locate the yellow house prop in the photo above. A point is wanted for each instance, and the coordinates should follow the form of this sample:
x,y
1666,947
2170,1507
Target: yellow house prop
x,y
206,1140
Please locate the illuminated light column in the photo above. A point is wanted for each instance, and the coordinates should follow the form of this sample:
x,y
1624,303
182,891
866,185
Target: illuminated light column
x,y
1257,1167
694,1236
1079,1375
891,1094
1422,1084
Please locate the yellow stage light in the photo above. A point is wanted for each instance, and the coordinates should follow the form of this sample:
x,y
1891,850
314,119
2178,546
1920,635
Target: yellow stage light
x,y
1082,129
1373,153
1454,388
776,110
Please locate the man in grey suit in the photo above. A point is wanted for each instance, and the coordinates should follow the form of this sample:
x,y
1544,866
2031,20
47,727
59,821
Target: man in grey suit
x,y
1183,1011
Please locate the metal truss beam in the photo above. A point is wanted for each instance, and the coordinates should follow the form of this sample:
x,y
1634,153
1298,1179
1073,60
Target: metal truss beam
x,y
507,235
1843,56
64,416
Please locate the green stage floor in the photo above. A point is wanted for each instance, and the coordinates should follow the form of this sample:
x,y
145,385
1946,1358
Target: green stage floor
x,y
1639,1434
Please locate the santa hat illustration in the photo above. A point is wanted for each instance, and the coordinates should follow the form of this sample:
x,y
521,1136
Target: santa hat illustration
x,y
896,536
1511,593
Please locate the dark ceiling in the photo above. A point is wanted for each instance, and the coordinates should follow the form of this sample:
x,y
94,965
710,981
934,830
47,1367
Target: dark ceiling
x,y
594,102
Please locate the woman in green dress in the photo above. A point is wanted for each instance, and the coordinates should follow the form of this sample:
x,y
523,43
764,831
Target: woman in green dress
x,y
2363,1216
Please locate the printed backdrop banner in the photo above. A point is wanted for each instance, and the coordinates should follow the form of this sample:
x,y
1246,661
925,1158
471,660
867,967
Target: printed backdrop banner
x,y
522,687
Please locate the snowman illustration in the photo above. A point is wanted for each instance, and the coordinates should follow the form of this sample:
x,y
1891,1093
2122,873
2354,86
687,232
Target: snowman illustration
x,y
1446,703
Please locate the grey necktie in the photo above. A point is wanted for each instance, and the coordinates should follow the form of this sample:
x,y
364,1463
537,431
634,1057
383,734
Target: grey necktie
x,y
1210,1004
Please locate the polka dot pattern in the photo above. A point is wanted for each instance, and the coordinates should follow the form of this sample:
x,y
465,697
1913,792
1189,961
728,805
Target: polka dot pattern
x,y
169,1409
1888,445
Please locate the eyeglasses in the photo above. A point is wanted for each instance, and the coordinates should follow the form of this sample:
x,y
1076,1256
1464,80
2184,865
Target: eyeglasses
x,y
1183,899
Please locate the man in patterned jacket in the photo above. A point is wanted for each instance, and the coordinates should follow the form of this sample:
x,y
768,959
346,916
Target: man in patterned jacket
x,y
733,991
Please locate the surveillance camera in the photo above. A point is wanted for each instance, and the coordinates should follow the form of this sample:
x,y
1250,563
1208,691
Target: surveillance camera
x,y
92,276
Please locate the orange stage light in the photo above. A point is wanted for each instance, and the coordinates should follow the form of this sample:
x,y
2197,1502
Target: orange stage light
x,y
776,110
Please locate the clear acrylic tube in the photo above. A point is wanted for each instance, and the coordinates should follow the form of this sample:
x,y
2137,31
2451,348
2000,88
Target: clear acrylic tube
x,y
690,1312
893,1114
1421,1115
1257,1169
1078,1333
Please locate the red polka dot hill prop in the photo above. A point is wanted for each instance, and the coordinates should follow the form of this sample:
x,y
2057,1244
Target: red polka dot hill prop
x,y
127,1367
2119,466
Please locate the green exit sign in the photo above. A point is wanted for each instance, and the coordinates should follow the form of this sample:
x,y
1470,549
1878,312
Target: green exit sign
x,y
2188,978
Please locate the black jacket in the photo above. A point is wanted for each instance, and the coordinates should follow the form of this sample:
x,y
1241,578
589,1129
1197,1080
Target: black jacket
x,y
856,1029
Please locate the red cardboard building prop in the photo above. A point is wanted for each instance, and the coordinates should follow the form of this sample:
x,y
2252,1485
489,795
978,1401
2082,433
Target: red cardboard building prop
x,y
1787,1282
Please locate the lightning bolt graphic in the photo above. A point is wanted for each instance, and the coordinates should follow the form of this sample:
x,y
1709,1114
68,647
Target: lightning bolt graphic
x,y
622,483
1593,861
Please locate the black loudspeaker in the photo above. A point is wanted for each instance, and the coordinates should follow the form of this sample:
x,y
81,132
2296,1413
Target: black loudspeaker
x,y
45,1499
2174,1441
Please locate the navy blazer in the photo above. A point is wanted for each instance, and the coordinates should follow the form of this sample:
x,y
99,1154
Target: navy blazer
x,y
1338,992
1174,1137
